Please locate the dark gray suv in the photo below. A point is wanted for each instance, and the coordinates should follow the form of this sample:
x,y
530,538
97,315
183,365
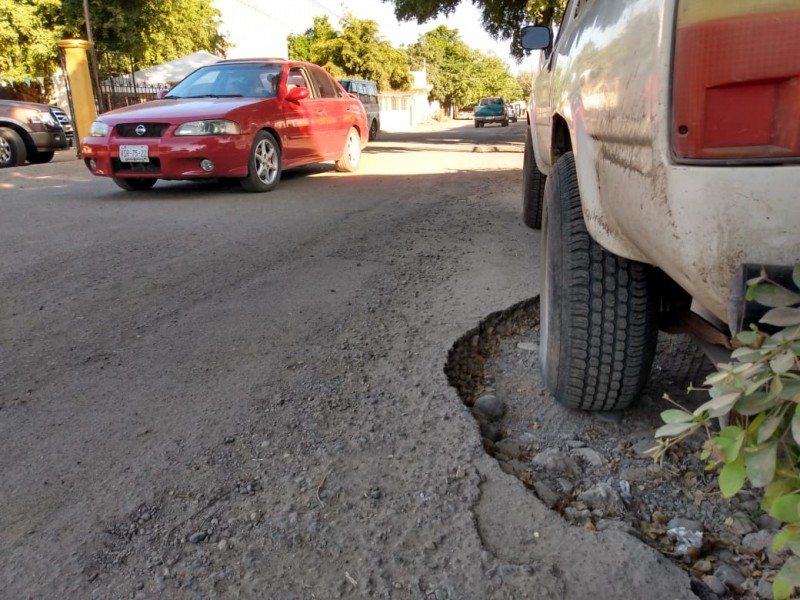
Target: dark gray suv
x,y
28,131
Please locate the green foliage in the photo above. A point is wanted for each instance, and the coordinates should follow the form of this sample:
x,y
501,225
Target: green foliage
x,y
758,394
501,18
29,30
458,74
358,51
525,81
152,31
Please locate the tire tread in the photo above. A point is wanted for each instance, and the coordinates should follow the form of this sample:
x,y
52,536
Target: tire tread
x,y
608,328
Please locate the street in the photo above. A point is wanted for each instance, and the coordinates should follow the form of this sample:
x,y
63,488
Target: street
x,y
211,394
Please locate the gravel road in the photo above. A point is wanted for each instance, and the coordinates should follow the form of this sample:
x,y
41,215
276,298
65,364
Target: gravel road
x,y
210,394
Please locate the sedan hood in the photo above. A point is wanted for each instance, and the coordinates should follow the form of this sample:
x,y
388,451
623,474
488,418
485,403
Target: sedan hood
x,y
178,110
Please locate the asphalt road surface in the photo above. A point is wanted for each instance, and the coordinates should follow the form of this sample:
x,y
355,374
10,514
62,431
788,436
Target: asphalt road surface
x,y
212,394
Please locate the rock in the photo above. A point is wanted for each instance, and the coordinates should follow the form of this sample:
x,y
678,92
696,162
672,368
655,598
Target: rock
x,y
546,495
633,474
642,446
375,494
703,566
688,524
574,515
530,346
509,447
566,485
572,444
198,536
556,463
759,540
491,431
615,525
764,589
729,575
489,407
517,468
764,521
229,439
741,524
223,545
715,585
604,498
590,457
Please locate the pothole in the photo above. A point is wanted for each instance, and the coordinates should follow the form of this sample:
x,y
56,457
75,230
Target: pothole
x,y
592,468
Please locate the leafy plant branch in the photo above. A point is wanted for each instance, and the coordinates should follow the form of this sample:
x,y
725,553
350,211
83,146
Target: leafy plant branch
x,y
756,398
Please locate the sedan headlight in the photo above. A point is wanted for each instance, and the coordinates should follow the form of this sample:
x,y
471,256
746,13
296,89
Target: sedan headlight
x,y
209,127
45,118
98,129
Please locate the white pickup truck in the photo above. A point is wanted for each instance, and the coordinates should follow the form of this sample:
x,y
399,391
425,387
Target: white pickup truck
x,y
662,159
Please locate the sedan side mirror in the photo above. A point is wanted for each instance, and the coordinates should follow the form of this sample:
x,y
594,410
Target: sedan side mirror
x,y
536,37
297,93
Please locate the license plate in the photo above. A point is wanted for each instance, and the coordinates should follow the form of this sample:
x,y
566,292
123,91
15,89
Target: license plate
x,y
133,154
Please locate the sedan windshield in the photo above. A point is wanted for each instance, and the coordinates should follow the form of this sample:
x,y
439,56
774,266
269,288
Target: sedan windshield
x,y
243,80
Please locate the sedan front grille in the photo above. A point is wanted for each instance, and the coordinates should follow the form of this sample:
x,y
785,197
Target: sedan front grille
x,y
151,130
152,166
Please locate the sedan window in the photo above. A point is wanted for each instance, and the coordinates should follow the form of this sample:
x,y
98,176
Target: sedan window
x,y
248,80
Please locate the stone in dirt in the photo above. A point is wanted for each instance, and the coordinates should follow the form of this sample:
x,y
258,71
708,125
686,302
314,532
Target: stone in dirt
x,y
489,407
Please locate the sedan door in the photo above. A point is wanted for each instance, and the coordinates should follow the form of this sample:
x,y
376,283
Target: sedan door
x,y
339,116
305,120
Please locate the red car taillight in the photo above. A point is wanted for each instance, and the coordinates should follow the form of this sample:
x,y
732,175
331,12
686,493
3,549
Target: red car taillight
x,y
736,80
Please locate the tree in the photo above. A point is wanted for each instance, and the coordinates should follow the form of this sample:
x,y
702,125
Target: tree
x,y
459,74
502,19
152,31
307,46
28,34
448,61
358,51
525,81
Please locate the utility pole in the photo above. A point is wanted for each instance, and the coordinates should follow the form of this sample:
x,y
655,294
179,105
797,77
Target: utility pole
x,y
86,18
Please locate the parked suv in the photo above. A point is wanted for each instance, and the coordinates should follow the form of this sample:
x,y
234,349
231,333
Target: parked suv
x,y
28,131
66,124
367,92
662,163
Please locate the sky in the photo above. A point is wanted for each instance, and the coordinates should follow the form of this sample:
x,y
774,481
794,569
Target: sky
x,y
259,27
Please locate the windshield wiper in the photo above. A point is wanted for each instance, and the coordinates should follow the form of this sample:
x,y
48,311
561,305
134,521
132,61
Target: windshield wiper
x,y
212,96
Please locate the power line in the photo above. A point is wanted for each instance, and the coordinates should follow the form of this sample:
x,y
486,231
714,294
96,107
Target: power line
x,y
329,11
258,10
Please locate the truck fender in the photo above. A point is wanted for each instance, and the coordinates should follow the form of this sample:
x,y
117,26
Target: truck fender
x,y
599,222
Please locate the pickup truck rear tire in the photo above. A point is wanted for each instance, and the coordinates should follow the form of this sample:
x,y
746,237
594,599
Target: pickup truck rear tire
x,y
533,181
598,324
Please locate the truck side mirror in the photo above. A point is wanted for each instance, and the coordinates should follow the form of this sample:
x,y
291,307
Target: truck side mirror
x,y
536,37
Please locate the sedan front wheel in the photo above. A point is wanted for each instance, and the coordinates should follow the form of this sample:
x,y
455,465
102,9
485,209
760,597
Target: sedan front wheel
x,y
264,166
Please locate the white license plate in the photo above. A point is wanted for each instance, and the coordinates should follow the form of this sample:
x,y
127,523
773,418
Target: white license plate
x,y
133,154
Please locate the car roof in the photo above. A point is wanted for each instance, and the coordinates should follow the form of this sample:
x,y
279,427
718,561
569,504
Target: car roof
x,y
255,59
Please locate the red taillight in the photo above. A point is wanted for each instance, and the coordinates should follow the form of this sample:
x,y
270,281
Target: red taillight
x,y
736,79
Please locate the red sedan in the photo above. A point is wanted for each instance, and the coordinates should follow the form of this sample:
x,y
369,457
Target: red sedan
x,y
244,119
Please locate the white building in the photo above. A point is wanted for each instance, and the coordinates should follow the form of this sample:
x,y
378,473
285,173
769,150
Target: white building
x,y
403,110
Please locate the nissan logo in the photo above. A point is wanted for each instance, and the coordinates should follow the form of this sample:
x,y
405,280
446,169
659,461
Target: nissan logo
x,y
140,130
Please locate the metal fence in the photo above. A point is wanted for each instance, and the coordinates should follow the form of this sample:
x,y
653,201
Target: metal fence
x,y
116,85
